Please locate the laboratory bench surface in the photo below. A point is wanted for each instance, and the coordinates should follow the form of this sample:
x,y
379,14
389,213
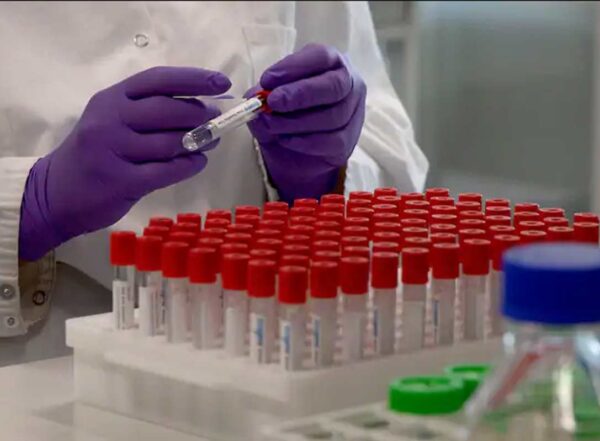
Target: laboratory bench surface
x,y
37,402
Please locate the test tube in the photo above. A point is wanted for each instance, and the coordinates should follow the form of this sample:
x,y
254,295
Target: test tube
x,y
218,244
354,283
263,309
384,281
500,243
415,275
292,286
234,272
560,234
205,294
556,222
586,217
444,272
586,232
122,258
174,272
212,130
149,281
323,311
472,286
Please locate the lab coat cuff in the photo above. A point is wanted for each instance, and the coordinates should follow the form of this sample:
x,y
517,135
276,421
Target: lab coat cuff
x,y
13,321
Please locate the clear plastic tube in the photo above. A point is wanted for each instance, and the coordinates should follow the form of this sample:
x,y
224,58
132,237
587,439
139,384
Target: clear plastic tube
x,y
216,127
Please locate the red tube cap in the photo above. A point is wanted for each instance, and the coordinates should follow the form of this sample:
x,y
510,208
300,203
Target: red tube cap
x,y
405,197
308,221
356,251
234,269
501,243
273,214
387,236
463,206
261,277
360,212
186,227
436,191
492,219
357,203
551,212
327,235
387,227
560,234
444,219
412,222
250,219
218,214
331,216
328,225
190,218
218,233
156,231
214,243
501,229
471,233
531,225
358,231
303,230
444,260
296,239
354,241
527,207
295,248
238,238
385,217
272,224
268,244
240,228
385,191
586,232
264,233
471,223
586,217
415,266
323,279
293,283
332,208
216,222
332,198
443,228
327,245
444,209
147,253
203,265
414,232
295,260
498,211
161,222
276,206
357,222
470,197
122,248
532,236
183,236
384,270
388,200
443,238
247,209
471,214
416,204
525,216
386,247
234,248
174,259
303,211
264,254
556,222
441,200
476,257
329,256
414,213
306,202
417,242
497,202
361,195
354,275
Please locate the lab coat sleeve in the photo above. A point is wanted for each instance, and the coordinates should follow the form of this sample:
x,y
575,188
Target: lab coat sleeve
x,y
24,289
386,154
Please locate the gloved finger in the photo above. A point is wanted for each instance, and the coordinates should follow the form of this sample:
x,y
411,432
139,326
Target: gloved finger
x,y
334,147
318,119
172,81
160,146
155,175
159,113
327,88
311,60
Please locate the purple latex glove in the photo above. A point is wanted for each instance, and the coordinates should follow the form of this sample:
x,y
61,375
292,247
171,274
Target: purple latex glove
x,y
126,144
318,104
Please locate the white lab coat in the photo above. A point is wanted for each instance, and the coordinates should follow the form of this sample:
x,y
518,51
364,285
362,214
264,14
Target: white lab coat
x,y
56,55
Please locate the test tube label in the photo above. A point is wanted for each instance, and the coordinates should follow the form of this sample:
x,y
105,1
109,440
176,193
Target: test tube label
x,y
286,343
122,295
149,309
316,346
376,328
257,337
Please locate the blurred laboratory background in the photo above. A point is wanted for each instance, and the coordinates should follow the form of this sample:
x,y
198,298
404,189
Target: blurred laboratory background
x,y
501,94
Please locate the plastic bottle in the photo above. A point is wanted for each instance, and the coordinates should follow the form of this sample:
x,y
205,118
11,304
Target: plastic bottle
x,y
546,385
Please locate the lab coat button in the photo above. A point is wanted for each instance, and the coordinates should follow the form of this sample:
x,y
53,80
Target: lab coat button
x,y
141,40
7,292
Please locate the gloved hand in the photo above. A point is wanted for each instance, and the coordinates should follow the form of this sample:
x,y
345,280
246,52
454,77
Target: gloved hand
x,y
126,144
318,104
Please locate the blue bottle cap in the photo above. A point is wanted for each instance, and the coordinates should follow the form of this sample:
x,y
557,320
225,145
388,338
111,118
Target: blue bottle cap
x,y
552,284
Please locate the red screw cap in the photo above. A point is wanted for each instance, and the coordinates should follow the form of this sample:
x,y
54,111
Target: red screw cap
x,y
354,241
412,222
357,222
444,219
323,279
532,236
385,191
384,270
295,260
443,228
303,211
328,225
357,203
264,254
470,197
186,227
556,222
359,231
405,197
234,248
393,227
327,245
414,232
331,216
443,238
463,206
272,224
333,199
214,243
249,219
417,242
360,212
414,213
336,236
476,257
471,214
386,247
585,232
173,259
586,217
329,256
356,251
385,217
190,218
444,209
219,214
441,200
501,229
306,202
234,269
304,230
560,234
497,202
122,248
471,223
261,278
444,260
531,225
295,248
416,204
354,275
217,233
501,243
308,221
272,214
361,195
527,207
269,244
293,283
471,233
551,212
275,206
247,209
492,219
161,222
415,266
157,231
525,216
183,236
203,265
436,191
147,253
332,208
387,236
388,200
298,239
498,211
240,228
238,238
263,233
216,222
